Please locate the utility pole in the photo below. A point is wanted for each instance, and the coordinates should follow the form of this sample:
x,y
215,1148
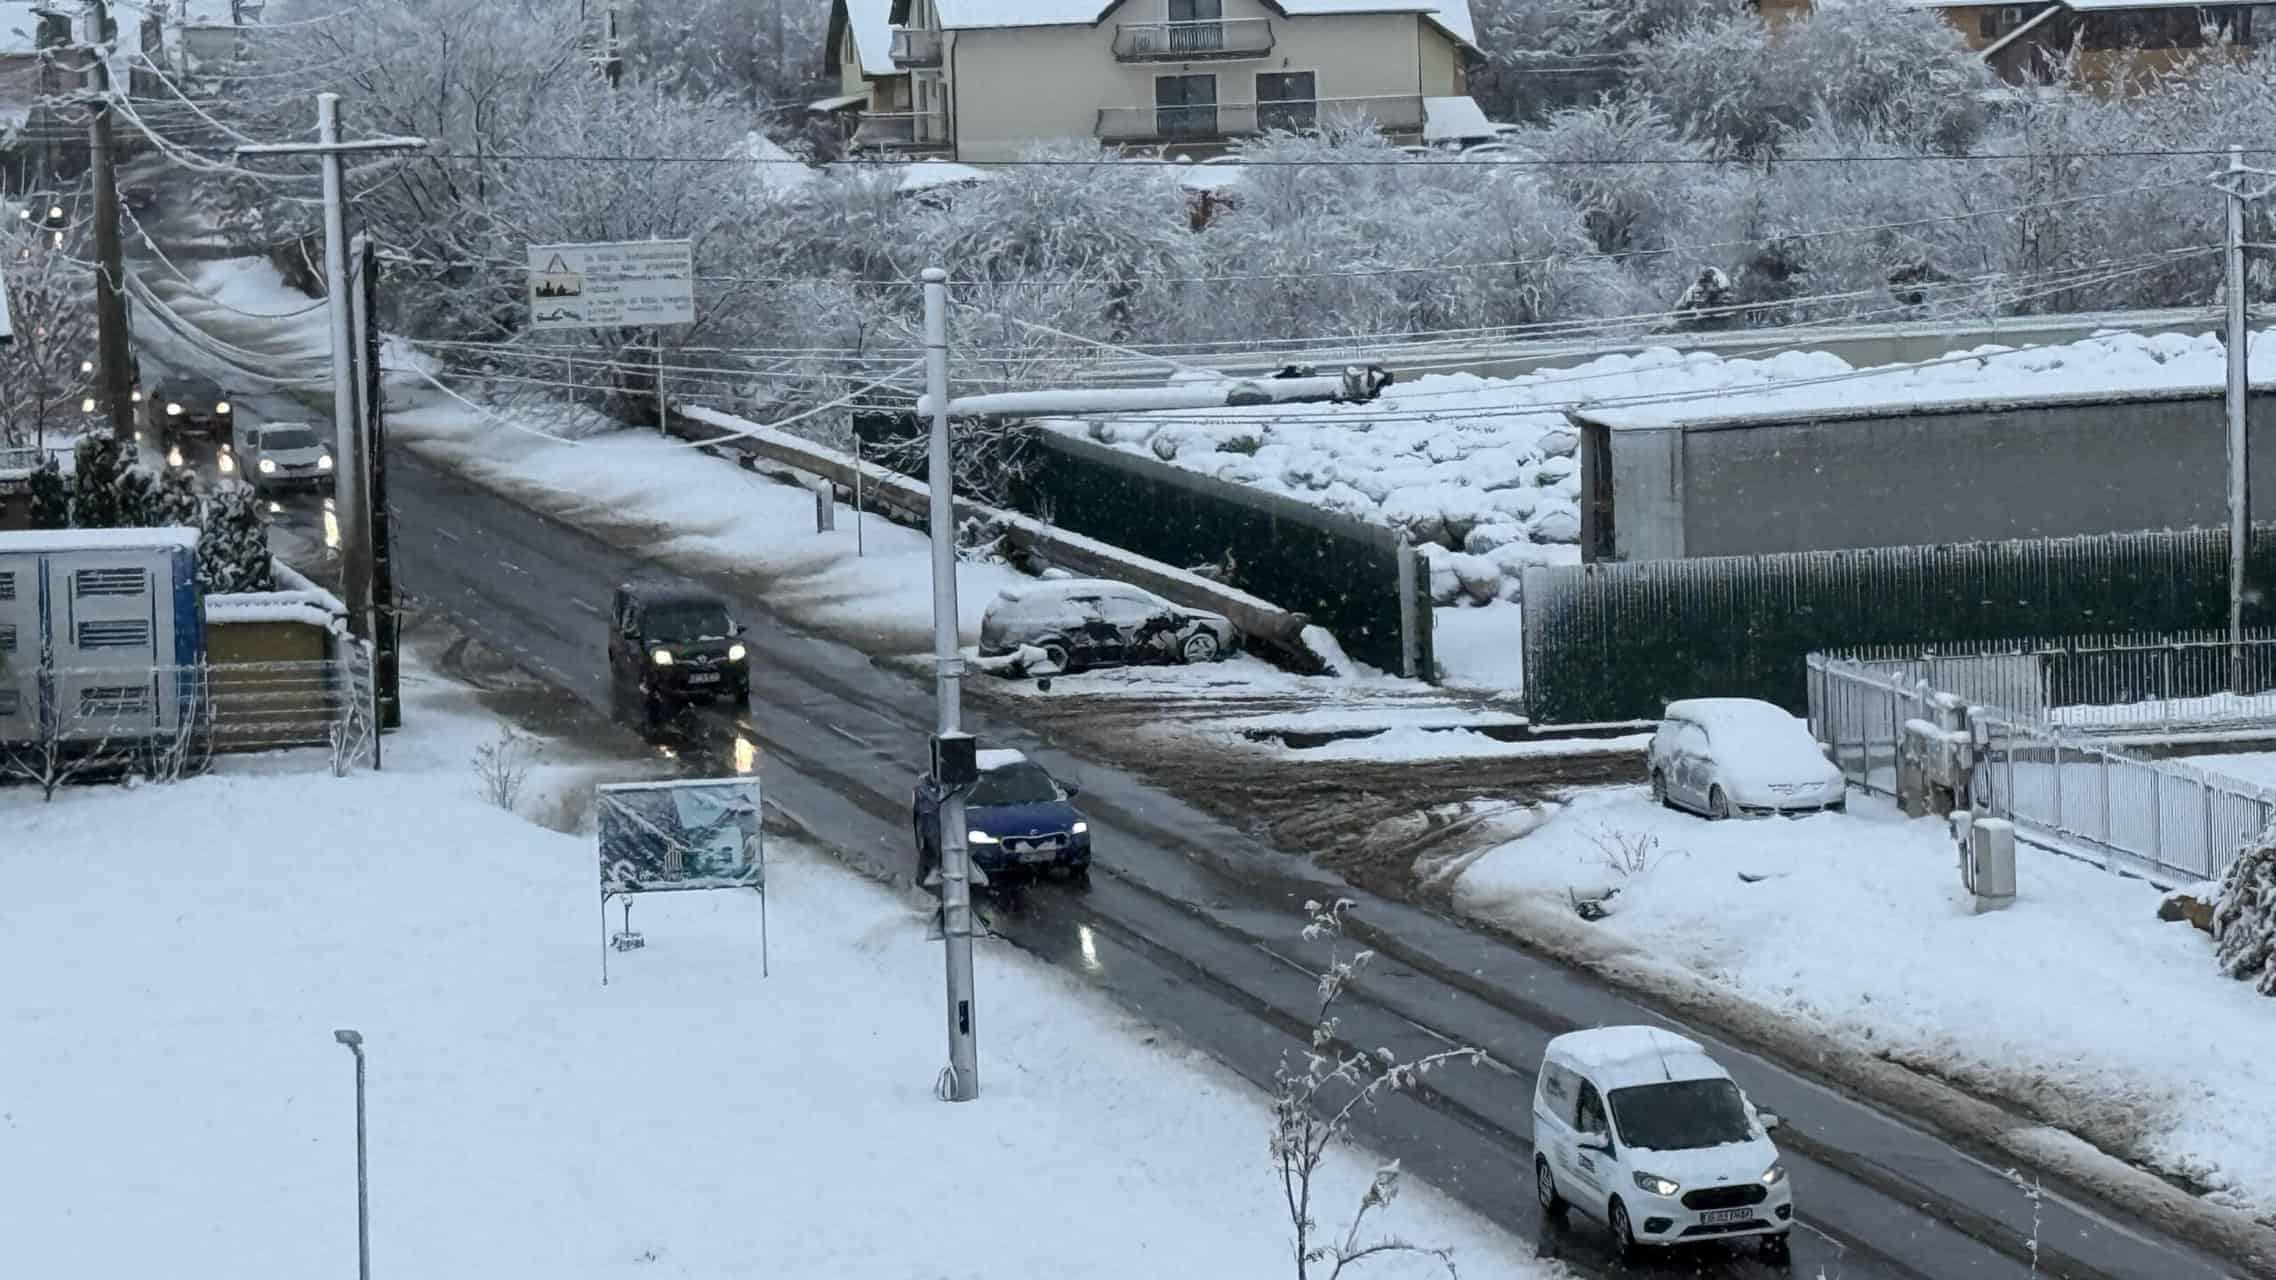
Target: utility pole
x,y
954,759
388,624
115,364
352,483
2237,338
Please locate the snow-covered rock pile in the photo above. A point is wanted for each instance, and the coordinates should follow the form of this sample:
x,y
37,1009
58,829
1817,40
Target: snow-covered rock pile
x,y
1485,471
2244,920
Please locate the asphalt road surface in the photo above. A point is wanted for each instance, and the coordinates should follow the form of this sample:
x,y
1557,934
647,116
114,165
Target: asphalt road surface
x,y
1196,927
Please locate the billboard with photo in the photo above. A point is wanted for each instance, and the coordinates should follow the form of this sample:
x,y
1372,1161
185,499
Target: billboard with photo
x,y
663,836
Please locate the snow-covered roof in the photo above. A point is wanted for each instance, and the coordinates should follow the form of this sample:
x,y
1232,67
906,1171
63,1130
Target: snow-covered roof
x,y
2104,367
1454,120
955,15
1211,175
991,759
872,24
776,171
926,175
32,541
308,608
1617,1057
824,106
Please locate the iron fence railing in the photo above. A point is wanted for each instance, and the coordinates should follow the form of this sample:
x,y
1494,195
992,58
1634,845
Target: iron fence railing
x,y
907,130
1192,41
2164,820
2102,684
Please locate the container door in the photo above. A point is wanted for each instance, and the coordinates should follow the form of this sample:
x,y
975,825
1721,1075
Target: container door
x,y
19,649
104,616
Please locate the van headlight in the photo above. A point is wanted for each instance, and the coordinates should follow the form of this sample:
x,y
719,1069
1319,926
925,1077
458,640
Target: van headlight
x,y
173,410
736,653
268,466
87,405
980,837
223,407
324,463
1656,1184
1774,1175
662,657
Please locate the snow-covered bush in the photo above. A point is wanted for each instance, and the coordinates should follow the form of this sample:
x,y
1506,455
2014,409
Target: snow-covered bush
x,y
233,553
2244,920
97,465
50,496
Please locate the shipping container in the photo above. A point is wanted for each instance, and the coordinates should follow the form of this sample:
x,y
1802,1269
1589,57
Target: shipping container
x,y
102,634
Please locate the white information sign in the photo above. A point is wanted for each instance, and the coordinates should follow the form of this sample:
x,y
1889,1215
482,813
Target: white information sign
x,y
625,284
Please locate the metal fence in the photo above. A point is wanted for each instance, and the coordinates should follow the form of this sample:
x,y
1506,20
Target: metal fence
x,y
2100,684
60,723
2163,820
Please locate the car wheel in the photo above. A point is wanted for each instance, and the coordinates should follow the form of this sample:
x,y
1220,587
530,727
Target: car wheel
x,y
1545,1185
1199,647
1623,1235
1718,804
1659,789
1838,806
1056,653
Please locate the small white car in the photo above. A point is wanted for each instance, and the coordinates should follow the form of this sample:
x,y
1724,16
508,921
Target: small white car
x,y
279,455
1639,1129
1725,756
1094,622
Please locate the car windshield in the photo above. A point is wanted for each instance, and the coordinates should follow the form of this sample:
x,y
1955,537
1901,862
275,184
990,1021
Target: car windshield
x,y
289,438
1680,1115
186,392
687,622
1022,783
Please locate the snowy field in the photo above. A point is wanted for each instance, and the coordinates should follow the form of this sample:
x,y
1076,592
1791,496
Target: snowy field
x,y
2076,1001
175,1104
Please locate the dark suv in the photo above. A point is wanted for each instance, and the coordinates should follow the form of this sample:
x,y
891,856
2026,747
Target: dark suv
x,y
678,645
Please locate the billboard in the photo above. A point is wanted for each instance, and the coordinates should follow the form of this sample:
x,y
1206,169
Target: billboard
x,y
611,285
662,836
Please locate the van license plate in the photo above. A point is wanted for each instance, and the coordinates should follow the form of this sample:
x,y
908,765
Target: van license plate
x,y
703,677
1714,1216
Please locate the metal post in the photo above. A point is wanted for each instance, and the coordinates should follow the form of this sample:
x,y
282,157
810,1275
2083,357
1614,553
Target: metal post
x,y
355,1043
349,501
2103,760
2238,340
955,856
663,405
2058,784
111,337
859,551
387,669
2210,844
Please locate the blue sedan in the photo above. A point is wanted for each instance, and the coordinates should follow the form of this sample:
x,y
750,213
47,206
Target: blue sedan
x,y
1016,818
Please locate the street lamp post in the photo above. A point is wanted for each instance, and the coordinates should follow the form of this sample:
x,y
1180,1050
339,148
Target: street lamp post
x,y
355,1042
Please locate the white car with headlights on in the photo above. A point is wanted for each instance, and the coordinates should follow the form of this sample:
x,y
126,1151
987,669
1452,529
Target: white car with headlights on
x,y
1639,1129
1725,756
279,455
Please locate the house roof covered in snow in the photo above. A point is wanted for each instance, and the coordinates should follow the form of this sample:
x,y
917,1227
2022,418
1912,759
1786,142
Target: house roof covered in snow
x,y
872,23
966,15
775,170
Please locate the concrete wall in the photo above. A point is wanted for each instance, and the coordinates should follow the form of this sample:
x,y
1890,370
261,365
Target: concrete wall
x,y
1013,87
1878,478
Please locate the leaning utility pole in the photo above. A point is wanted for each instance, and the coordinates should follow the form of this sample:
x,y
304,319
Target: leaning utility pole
x,y
387,629
111,340
352,483
2237,338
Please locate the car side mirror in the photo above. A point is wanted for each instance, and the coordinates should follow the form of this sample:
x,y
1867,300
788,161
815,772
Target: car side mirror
x,y
1767,1121
738,629
1597,1142
1072,790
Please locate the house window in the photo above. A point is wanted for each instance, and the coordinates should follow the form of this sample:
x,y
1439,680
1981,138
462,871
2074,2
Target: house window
x,y
1287,100
1196,26
1998,23
1185,106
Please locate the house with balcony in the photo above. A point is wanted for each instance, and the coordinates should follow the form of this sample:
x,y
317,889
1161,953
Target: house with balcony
x,y
983,80
2118,41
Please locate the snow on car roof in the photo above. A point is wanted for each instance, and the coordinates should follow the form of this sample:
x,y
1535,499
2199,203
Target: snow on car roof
x,y
1061,588
995,758
1618,1057
1731,713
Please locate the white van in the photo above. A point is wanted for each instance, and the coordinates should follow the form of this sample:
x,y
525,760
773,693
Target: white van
x,y
279,455
1639,1129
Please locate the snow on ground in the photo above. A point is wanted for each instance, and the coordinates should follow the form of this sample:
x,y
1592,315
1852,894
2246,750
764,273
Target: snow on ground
x,y
2076,1000
1480,647
255,287
1412,742
174,1102
2255,768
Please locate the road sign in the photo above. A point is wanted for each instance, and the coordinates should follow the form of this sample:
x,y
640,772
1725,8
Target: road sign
x,y
625,284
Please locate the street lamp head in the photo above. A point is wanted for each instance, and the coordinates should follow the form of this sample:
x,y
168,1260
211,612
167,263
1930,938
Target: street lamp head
x,y
934,275
352,1039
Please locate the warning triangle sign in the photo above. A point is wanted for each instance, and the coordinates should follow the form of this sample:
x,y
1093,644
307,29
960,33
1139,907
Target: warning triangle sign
x,y
557,266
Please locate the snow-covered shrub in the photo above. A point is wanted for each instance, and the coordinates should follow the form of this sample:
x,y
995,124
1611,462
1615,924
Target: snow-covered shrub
x,y
233,552
97,465
1902,69
2244,921
50,497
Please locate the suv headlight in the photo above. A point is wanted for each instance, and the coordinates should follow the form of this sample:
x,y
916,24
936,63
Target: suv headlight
x,y
173,410
223,407
980,837
736,653
324,463
662,657
268,466
1774,1175
1656,1184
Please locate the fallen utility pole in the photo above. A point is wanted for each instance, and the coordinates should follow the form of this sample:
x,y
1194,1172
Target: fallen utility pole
x,y
1357,384
352,483
114,363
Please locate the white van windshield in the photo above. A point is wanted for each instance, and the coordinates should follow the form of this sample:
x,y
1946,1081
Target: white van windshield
x,y
1680,1115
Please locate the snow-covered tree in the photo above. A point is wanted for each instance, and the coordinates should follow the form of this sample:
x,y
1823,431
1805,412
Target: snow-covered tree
x,y
1546,55
52,310
177,502
233,553
2244,917
137,498
99,463
759,51
51,496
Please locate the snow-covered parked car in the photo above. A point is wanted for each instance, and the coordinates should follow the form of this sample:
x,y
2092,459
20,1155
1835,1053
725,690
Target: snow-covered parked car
x,y
1079,623
1725,756
1639,1129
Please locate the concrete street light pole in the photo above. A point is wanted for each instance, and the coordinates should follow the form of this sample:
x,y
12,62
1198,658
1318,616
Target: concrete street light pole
x,y
355,1042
